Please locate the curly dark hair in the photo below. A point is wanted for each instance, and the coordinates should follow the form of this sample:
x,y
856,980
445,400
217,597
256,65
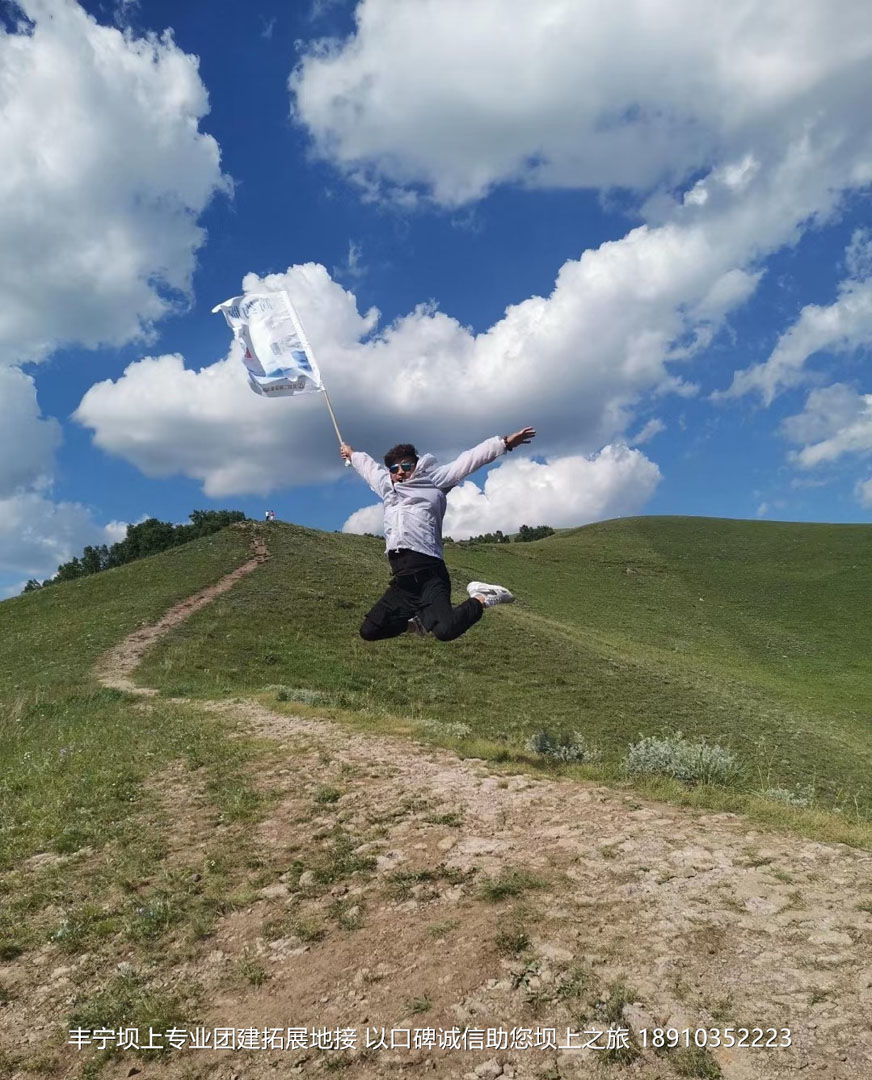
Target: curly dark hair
x,y
401,452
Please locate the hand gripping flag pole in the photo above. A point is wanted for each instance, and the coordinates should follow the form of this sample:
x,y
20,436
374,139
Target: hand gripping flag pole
x,y
275,349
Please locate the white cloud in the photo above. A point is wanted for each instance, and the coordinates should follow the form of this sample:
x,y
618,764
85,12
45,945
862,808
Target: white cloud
x,y
766,509
770,109
369,519
352,269
37,535
799,483
858,256
619,325
836,420
459,97
573,364
27,439
840,327
104,174
562,492
773,107
207,425
648,432
836,423
322,8
115,531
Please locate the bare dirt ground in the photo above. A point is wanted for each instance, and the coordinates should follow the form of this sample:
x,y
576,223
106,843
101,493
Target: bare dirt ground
x,y
417,892
705,922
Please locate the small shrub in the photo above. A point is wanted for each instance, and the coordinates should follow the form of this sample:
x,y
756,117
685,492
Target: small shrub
x,y
696,1062
252,970
801,797
453,818
129,999
609,1006
327,795
693,761
307,697
443,928
308,930
512,940
346,913
573,983
453,729
510,882
401,882
564,747
339,860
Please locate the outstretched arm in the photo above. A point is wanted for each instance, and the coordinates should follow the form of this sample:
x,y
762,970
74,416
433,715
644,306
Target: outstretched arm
x,y
450,475
370,470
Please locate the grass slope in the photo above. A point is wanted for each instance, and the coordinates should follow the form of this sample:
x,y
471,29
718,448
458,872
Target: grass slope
x,y
83,829
51,638
752,634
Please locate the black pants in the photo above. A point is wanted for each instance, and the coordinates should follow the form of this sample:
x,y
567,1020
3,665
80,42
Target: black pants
x,y
426,594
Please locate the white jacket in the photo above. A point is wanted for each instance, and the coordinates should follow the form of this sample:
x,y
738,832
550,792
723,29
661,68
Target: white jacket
x,y
414,508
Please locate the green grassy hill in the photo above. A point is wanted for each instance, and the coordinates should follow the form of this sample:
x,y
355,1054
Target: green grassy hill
x,y
751,634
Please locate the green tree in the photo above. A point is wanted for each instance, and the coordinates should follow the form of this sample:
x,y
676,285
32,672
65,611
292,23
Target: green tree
x,y
145,538
497,537
526,533
69,571
204,522
94,559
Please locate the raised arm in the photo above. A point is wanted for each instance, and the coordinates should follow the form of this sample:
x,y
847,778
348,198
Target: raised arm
x,y
373,473
450,475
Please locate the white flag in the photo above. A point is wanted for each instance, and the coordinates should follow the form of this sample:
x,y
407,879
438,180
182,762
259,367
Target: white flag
x,y
275,350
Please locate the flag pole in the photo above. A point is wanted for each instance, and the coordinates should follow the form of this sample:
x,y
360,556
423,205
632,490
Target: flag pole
x,y
307,346
333,418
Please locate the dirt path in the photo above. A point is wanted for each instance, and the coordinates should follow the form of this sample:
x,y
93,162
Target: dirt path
x,y
418,892
114,668
615,910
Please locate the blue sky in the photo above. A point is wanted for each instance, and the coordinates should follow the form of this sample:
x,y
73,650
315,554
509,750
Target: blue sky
x,y
648,238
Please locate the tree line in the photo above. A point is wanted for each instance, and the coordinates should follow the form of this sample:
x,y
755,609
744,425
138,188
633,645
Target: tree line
x,y
147,537
525,534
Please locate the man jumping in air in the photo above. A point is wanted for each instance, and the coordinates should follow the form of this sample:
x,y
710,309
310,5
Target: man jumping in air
x,y
413,489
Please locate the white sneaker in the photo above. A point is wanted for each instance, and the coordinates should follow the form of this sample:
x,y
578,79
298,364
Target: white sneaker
x,y
493,594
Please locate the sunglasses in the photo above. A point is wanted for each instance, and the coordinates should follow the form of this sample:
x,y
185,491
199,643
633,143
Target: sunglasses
x,y
406,466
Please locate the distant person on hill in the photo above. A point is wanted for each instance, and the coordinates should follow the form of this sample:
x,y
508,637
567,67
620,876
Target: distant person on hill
x,y
413,490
